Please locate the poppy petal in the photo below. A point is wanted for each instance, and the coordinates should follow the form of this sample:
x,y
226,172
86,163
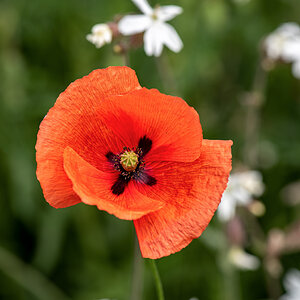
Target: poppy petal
x,y
94,188
74,121
172,126
194,191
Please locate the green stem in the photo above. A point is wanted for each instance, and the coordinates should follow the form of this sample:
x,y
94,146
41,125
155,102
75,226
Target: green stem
x,y
125,57
166,75
158,284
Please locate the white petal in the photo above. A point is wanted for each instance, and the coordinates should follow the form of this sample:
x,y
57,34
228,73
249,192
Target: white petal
x,y
101,35
226,209
292,280
273,46
289,297
250,181
243,260
144,6
168,12
134,24
291,49
153,41
170,37
296,69
241,195
253,182
284,43
289,28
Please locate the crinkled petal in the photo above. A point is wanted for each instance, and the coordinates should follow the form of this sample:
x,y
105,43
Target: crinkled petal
x,y
74,121
153,40
129,25
170,37
94,188
169,122
168,12
144,6
192,192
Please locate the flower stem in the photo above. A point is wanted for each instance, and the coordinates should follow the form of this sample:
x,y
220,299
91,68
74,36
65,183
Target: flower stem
x,y
166,75
254,103
125,57
158,284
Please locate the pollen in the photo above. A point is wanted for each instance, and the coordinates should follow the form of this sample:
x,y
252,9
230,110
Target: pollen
x,y
129,160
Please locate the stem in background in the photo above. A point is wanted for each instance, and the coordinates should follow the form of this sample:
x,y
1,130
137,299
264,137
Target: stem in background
x,y
254,102
273,284
137,274
231,283
168,81
126,61
158,284
230,276
29,278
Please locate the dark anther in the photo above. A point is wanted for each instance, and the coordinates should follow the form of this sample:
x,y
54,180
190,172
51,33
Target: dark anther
x,y
145,144
110,156
119,186
150,180
146,179
138,174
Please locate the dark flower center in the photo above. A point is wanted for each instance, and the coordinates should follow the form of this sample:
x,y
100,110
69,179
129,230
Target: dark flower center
x,y
131,165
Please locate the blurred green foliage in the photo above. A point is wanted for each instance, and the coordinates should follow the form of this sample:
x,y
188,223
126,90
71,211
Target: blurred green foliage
x,y
85,253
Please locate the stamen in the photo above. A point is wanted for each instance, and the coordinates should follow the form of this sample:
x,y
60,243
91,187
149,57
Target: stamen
x,y
145,145
129,160
131,165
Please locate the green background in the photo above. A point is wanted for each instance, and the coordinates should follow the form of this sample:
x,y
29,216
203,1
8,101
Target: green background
x,y
83,253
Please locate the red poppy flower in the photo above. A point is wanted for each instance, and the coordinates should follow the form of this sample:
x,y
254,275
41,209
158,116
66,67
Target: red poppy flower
x,y
135,153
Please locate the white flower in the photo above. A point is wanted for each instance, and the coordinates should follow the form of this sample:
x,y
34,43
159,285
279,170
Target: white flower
x,y
152,22
240,190
243,260
291,283
101,35
284,44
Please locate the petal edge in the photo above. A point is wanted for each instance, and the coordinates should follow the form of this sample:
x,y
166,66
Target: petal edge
x,y
60,127
172,228
94,188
